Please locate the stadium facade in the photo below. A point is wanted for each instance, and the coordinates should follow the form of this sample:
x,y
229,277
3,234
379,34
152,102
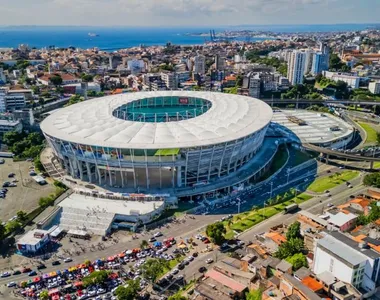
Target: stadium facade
x,y
158,140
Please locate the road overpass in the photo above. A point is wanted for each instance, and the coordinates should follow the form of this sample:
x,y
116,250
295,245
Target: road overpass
x,y
324,102
340,155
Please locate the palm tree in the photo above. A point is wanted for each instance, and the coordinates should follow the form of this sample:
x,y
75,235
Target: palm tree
x,y
144,244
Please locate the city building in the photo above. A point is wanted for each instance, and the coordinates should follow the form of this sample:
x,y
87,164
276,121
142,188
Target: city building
x,y
11,100
183,76
136,66
33,241
79,88
351,80
7,125
349,261
170,80
3,79
199,65
321,60
297,67
374,87
220,62
66,78
159,140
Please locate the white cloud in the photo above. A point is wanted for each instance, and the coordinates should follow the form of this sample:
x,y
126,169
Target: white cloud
x,y
186,12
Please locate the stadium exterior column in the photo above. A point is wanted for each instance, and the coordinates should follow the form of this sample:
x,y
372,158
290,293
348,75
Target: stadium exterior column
x,y
66,163
229,162
89,174
146,168
79,165
179,176
133,167
173,172
211,159
71,168
221,159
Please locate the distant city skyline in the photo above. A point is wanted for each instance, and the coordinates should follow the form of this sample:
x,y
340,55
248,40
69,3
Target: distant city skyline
x,y
187,12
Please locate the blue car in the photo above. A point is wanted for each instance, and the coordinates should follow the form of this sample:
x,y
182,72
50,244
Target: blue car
x,y
32,273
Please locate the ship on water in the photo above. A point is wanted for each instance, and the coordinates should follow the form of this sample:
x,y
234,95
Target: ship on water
x,y
92,34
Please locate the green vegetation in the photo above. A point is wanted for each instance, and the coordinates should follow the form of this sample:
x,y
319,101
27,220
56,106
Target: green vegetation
x,y
274,206
298,260
279,160
325,183
154,268
340,87
96,277
374,214
177,296
216,232
253,54
95,94
372,179
292,249
337,65
129,291
49,200
24,145
231,90
371,133
254,295
86,77
56,80
304,91
281,66
360,94
44,295
74,99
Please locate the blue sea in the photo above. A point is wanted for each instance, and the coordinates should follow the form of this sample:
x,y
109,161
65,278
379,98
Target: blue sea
x,y
114,38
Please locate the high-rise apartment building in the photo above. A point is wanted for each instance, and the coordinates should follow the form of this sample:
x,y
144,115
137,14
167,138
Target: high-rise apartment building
x,y
200,64
3,80
297,67
219,62
321,60
170,80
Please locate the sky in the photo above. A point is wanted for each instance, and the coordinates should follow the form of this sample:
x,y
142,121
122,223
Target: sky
x,y
187,12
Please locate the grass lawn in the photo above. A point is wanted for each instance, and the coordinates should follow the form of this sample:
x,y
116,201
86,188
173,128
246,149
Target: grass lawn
x,y
249,219
376,165
329,182
300,157
371,133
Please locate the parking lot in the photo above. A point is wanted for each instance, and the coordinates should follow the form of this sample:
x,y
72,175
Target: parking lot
x,y
25,195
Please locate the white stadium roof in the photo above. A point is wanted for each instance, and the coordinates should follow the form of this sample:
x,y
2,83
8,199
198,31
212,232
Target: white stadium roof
x,y
91,122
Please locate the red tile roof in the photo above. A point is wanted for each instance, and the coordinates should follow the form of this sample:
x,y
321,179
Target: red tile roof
x,y
226,281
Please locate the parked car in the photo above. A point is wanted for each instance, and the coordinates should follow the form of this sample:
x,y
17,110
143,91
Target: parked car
x,y
41,266
10,175
32,273
56,263
209,261
11,284
202,269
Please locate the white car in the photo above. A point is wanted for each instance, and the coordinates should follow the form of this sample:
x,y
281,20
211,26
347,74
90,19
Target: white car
x,y
101,291
190,258
11,284
175,271
209,261
68,259
157,234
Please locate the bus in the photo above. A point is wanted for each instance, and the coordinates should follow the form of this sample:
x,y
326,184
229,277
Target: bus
x,y
291,208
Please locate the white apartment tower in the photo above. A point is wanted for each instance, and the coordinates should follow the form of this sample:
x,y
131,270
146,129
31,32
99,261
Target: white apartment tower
x,y
297,67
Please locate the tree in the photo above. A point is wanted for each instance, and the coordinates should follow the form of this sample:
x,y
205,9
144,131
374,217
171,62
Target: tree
x,y
289,248
11,137
153,268
294,231
38,164
378,137
177,296
2,232
254,295
56,79
21,216
144,244
13,226
298,260
87,77
216,232
44,295
129,291
372,179
96,277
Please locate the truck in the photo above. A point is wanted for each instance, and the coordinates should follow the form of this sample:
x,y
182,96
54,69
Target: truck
x,y
291,208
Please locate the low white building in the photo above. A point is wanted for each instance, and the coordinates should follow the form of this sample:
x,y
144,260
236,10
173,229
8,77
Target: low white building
x,y
348,261
374,87
10,125
33,241
351,80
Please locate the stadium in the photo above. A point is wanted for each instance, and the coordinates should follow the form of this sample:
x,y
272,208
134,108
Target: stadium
x,y
159,141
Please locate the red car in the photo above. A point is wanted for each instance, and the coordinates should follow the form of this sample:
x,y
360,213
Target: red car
x,y
26,270
206,241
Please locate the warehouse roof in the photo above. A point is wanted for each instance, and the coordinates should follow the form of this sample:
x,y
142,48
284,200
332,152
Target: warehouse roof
x,y
92,122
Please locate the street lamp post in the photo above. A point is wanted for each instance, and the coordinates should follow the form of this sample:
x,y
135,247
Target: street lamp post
x,y
238,204
271,189
288,173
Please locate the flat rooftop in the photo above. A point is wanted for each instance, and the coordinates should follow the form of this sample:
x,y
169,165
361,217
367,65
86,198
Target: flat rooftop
x,y
120,207
30,239
317,128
